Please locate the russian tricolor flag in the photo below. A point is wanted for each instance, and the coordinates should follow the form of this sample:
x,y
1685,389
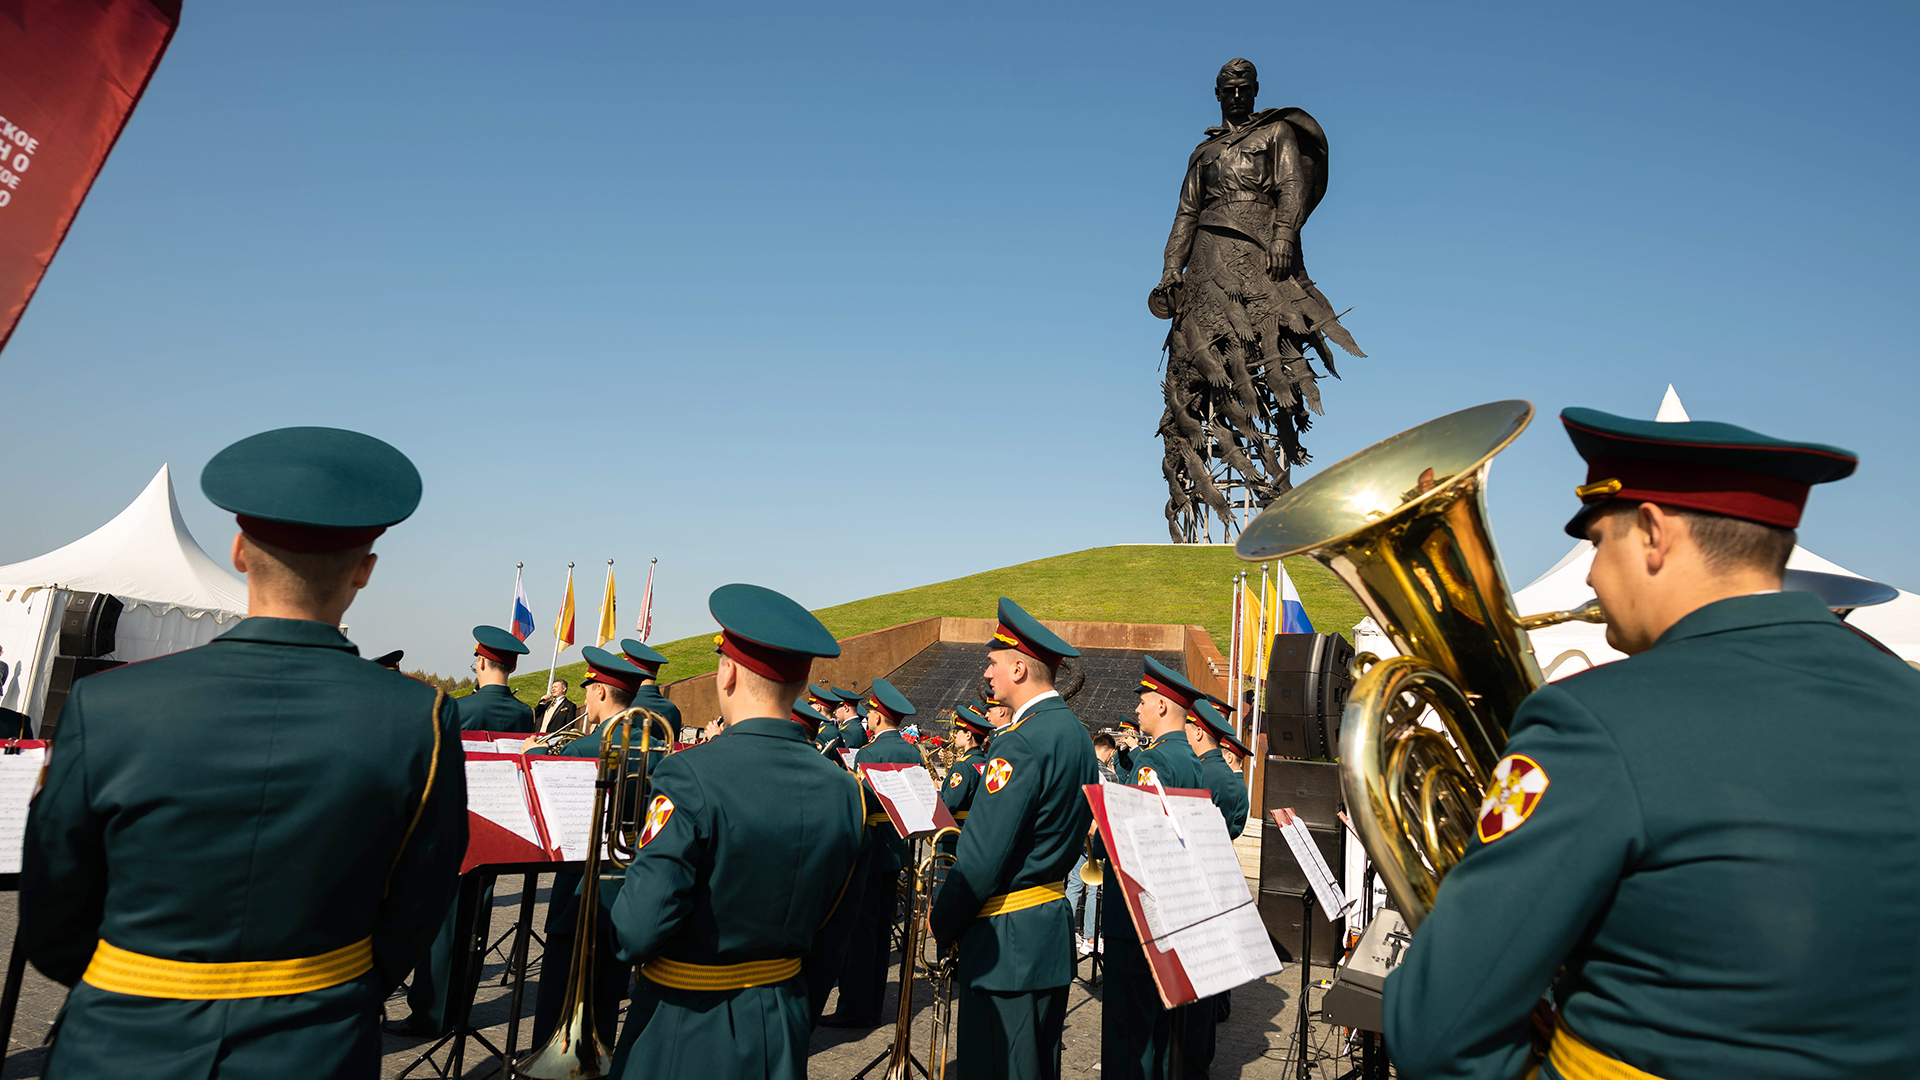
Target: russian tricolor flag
x,y
1293,614
522,609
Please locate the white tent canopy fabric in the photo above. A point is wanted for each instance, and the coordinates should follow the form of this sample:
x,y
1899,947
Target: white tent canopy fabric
x,y
1574,647
175,597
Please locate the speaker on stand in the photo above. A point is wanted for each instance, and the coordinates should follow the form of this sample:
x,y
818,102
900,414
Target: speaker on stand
x,y
1308,678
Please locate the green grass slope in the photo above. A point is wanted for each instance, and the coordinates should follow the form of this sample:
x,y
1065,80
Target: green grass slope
x,y
1159,583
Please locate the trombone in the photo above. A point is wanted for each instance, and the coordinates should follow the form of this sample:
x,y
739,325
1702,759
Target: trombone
x,y
939,971
577,1051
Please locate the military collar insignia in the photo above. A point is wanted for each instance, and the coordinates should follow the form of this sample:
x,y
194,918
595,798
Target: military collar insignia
x,y
1518,784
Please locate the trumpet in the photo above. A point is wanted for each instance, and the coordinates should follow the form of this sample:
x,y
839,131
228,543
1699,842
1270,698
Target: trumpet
x,y
939,971
577,1051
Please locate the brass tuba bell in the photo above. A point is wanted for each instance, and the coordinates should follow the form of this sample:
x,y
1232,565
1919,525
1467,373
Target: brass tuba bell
x,y
1403,524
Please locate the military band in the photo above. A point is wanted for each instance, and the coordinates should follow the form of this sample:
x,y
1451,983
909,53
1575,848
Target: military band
x,y
1655,886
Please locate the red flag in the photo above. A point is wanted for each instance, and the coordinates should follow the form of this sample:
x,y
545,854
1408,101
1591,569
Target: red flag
x,y
71,72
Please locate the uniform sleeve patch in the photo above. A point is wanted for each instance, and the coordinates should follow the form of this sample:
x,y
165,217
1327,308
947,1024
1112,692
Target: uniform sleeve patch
x,y
999,771
1518,784
1146,777
659,812
980,768
955,782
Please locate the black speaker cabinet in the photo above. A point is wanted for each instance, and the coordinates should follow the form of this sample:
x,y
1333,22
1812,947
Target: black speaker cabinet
x,y
67,670
1310,788
1308,679
88,626
1281,912
1280,871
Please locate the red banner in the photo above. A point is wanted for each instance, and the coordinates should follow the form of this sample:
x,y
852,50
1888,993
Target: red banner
x,y
71,72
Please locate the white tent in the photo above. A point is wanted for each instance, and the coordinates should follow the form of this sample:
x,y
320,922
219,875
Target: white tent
x,y
175,597
1574,647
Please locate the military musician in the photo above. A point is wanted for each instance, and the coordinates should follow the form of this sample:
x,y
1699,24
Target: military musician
x,y
610,686
1004,901
863,979
742,875
1708,851
1136,1030
492,706
241,848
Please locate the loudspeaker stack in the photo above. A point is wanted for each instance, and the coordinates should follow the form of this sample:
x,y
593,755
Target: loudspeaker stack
x,y
1307,683
87,632
1311,789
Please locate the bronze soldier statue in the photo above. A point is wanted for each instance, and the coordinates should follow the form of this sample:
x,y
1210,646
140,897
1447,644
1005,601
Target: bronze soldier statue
x,y
1239,384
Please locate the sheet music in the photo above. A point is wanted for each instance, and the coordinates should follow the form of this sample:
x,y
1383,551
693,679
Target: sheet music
x,y
1326,888
565,789
496,792
19,774
508,746
1195,901
846,756
912,794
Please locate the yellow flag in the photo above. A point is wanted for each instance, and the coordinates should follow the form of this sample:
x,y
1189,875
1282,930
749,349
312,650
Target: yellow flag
x,y
1258,623
608,631
563,626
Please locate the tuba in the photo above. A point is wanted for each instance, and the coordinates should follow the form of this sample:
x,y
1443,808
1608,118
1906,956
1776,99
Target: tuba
x,y
1403,524
577,1051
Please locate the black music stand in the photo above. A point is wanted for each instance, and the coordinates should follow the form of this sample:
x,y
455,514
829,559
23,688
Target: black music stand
x,y
466,976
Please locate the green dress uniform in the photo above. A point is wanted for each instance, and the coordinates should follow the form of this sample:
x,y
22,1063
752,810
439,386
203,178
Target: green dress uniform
x,y
494,708
1709,850
610,978
241,848
731,904
1004,900
1025,830
1136,1030
853,732
963,779
863,978
489,708
1230,795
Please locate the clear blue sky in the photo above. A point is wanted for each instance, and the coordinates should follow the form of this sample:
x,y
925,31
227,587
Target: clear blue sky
x,y
845,303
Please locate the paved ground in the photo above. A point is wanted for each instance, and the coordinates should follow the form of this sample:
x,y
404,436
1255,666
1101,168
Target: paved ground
x,y
1256,1042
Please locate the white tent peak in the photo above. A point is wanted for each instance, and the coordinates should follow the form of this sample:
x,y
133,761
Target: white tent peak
x,y
144,555
1671,411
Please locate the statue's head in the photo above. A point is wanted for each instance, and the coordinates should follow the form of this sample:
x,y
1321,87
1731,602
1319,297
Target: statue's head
x,y
1236,86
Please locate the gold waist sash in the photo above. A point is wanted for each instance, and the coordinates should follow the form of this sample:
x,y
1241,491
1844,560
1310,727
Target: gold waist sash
x,y
684,976
124,972
1022,899
1574,1058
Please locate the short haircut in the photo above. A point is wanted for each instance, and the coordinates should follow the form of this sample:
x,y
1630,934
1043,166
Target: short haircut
x,y
620,697
1731,543
1104,741
312,577
562,682
502,665
1728,544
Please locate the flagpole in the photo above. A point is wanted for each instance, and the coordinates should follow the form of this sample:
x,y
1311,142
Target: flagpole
x,y
1234,647
554,664
1261,646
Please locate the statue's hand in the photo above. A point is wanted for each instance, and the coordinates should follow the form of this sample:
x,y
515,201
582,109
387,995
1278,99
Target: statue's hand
x,y
1280,257
1170,278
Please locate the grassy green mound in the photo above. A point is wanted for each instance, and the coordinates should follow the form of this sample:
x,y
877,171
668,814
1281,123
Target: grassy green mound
x,y
1159,583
